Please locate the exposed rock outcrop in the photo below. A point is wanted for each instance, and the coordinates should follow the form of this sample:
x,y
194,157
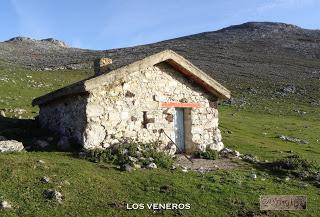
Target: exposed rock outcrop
x,y
11,146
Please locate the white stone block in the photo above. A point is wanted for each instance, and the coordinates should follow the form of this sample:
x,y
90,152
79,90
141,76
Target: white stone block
x,y
94,135
126,86
124,115
94,110
197,130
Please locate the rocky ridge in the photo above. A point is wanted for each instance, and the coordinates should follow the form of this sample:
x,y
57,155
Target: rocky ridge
x,y
255,52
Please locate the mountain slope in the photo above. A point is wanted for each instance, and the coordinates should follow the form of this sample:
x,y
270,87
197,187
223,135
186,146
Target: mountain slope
x,y
253,52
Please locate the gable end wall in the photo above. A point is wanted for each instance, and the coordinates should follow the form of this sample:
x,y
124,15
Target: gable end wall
x,y
130,110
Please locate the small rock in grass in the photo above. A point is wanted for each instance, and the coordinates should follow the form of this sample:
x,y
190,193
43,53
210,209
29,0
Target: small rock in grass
x,y
250,158
126,167
41,162
136,166
287,179
229,153
254,176
2,113
164,189
53,195
66,182
184,169
293,139
5,205
45,179
201,170
150,159
152,166
237,154
142,158
133,159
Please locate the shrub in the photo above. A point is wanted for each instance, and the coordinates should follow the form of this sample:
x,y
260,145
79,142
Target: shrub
x,y
208,154
100,155
123,154
296,166
160,158
293,162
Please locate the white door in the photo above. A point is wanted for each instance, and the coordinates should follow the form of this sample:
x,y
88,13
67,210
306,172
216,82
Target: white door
x,y
179,129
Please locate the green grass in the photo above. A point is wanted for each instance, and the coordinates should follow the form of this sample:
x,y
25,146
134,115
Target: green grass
x,y
95,188
18,87
256,133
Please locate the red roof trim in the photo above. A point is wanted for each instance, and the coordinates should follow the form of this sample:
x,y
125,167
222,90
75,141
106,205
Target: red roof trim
x,y
179,105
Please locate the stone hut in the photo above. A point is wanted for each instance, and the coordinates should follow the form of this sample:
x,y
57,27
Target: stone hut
x,y
161,98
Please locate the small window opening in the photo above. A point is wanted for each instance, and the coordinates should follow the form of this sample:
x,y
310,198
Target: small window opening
x,y
145,120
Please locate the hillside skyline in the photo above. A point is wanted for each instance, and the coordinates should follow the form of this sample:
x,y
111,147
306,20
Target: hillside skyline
x,y
114,24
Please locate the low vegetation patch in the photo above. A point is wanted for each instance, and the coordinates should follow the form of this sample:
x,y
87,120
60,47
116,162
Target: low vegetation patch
x,y
208,154
295,166
133,154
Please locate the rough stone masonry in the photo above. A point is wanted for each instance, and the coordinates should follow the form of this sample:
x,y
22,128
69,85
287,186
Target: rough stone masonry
x,y
136,108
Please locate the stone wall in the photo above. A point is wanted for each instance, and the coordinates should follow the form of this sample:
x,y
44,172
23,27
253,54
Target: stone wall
x,y
65,118
130,110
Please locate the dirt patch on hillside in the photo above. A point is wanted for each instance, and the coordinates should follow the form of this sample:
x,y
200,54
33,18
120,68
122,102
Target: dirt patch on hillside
x,y
206,165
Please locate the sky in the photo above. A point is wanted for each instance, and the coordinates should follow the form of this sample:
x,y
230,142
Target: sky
x,y
106,24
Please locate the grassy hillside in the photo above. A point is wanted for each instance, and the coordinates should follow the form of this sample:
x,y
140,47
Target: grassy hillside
x,y
250,126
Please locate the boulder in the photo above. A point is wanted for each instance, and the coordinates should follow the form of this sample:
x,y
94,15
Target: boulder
x,y
11,146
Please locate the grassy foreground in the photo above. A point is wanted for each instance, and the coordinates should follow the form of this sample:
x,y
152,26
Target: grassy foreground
x,y
101,190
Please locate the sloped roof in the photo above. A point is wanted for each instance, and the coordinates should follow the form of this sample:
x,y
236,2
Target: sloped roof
x,y
168,56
